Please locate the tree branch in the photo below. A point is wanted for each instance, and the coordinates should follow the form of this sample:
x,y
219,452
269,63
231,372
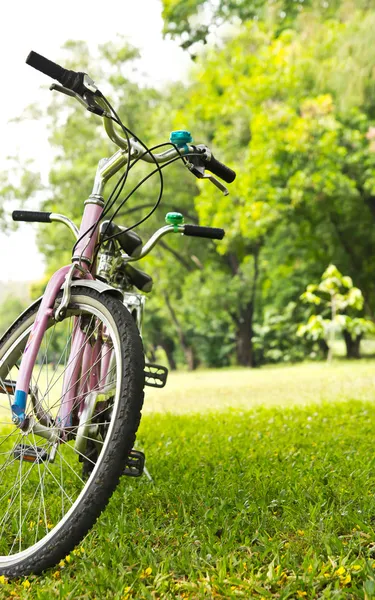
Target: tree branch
x,y
181,260
192,218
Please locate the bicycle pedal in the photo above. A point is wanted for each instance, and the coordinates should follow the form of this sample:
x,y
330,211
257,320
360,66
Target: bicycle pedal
x,y
30,453
155,375
135,464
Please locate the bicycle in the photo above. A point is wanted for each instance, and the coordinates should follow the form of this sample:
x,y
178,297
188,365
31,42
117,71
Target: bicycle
x,y
72,368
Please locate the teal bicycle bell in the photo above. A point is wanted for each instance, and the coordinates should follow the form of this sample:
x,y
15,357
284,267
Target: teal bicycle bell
x,y
181,138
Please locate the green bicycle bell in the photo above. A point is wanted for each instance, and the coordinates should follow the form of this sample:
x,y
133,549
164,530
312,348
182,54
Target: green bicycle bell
x,y
181,138
175,219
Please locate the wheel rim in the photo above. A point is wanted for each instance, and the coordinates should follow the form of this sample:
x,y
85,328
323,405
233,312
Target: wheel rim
x,y
37,498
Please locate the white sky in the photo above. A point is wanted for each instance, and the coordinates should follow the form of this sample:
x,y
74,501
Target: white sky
x,y
44,26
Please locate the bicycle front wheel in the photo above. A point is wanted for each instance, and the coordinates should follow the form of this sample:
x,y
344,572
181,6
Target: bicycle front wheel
x,y
59,470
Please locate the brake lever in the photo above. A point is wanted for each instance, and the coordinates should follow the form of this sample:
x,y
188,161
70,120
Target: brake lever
x,y
86,100
198,169
55,87
216,182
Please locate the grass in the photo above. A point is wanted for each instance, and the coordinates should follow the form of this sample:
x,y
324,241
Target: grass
x,y
263,488
297,385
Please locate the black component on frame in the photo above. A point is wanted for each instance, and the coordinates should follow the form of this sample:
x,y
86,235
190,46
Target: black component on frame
x,y
139,278
129,241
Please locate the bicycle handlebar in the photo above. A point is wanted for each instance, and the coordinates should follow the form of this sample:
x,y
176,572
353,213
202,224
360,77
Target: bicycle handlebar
x,y
84,88
128,240
36,216
212,233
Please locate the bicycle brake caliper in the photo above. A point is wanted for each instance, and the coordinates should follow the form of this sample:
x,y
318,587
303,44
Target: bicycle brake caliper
x,y
61,309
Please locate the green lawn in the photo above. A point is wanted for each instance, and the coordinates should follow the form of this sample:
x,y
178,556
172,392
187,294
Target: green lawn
x,y
270,386
264,487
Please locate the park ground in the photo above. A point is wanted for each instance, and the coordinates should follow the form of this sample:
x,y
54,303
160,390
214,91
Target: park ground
x,y
263,487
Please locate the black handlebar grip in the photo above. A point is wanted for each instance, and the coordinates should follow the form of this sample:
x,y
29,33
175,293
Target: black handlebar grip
x,y
69,79
46,66
31,216
218,168
213,233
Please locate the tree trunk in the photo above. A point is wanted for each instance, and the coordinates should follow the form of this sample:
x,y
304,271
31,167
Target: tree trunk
x,y
168,347
244,329
324,348
352,346
191,359
151,353
244,344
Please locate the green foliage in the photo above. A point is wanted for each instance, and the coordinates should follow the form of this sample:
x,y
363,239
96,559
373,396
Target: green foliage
x,y
303,167
208,298
192,21
336,295
10,309
18,183
335,291
276,340
288,103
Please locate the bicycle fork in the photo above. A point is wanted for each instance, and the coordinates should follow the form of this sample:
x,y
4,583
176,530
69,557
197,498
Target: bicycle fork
x,y
33,344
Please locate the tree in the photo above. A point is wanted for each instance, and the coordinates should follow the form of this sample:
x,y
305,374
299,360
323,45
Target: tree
x,y
305,169
338,300
270,103
10,308
192,22
18,183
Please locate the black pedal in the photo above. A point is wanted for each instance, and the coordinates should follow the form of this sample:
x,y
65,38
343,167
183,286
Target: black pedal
x,y
155,375
30,453
134,464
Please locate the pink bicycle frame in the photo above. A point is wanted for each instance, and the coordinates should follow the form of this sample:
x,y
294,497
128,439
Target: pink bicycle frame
x,y
84,252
